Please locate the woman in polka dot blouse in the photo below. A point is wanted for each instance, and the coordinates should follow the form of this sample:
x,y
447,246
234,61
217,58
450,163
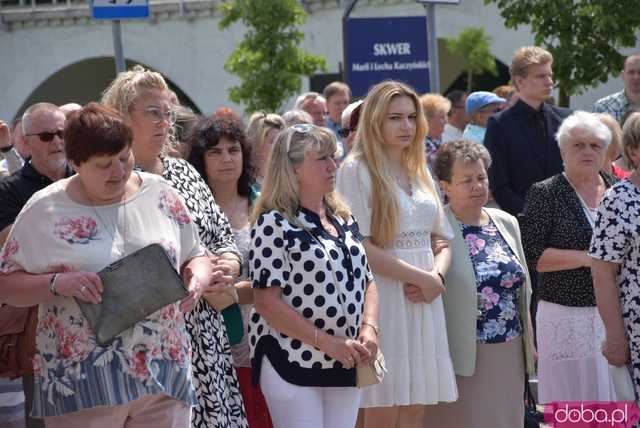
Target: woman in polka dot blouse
x,y
316,307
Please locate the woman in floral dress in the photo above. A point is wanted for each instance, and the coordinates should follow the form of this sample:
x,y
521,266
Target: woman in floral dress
x,y
74,228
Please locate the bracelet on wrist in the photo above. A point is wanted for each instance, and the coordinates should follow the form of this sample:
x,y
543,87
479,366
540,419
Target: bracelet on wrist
x,y
374,327
52,285
441,277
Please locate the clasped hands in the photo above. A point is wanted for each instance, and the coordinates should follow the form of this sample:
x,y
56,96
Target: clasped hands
x,y
426,290
351,352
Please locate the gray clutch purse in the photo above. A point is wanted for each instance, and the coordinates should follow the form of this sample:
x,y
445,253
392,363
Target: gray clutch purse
x,y
134,287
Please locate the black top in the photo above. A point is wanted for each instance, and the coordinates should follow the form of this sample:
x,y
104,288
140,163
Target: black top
x,y
553,217
523,150
285,255
16,190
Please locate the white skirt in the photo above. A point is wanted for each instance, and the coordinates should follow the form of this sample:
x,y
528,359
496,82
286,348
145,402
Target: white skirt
x,y
571,366
413,339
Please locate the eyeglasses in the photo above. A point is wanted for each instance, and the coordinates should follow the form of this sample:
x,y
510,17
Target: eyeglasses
x,y
157,115
47,136
344,132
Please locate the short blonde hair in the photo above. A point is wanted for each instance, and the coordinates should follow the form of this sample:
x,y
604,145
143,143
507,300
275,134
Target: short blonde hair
x,y
129,85
280,191
260,124
435,103
631,137
615,147
369,148
527,56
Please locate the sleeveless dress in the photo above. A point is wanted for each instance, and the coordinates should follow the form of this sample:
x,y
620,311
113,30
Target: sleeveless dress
x,y
413,336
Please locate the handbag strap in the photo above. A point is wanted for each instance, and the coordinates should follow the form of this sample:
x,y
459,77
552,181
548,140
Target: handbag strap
x,y
335,280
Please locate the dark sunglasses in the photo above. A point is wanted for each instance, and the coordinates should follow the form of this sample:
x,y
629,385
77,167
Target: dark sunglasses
x,y
47,136
344,132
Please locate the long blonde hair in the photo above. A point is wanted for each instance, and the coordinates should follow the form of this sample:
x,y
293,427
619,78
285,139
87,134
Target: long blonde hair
x,y
369,147
280,191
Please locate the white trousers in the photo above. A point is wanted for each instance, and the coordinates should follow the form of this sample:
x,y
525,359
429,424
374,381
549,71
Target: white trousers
x,y
293,406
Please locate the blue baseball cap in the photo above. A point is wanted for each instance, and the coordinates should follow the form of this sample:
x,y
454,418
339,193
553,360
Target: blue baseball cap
x,y
477,100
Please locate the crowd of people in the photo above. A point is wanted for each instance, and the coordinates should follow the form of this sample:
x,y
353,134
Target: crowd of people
x,y
452,245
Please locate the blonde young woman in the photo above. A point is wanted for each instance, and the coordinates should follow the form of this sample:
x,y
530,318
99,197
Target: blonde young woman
x,y
316,306
261,131
143,98
386,184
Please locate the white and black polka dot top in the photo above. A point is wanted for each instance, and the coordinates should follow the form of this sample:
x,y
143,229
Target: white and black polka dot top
x,y
285,255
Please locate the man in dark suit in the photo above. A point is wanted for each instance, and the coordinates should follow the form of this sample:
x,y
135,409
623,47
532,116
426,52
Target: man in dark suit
x,y
522,139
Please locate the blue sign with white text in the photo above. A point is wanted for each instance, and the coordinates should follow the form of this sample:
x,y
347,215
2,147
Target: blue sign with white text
x,y
378,49
120,9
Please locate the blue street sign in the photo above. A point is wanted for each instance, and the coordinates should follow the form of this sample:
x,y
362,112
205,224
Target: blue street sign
x,y
386,48
120,9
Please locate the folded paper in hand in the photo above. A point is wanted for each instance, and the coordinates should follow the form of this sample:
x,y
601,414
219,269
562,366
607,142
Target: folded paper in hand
x,y
134,287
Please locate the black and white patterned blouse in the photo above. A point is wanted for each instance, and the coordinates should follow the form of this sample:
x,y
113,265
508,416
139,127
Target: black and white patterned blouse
x,y
554,217
217,389
285,255
616,239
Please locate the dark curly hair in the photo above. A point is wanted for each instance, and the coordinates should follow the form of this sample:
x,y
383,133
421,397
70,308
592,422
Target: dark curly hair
x,y
207,134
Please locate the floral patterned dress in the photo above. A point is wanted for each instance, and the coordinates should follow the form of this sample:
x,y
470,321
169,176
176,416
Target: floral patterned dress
x,y
52,234
499,277
219,402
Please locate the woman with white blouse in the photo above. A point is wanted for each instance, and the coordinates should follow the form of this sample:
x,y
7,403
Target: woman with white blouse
x,y
316,307
394,200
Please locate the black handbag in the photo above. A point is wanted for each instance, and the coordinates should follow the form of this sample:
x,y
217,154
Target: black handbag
x,y
134,287
532,416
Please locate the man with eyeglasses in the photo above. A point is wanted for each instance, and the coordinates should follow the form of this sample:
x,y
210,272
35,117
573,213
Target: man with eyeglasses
x,y
42,126
457,118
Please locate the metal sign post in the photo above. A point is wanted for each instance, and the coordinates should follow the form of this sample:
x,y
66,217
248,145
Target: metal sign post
x,y
434,64
111,10
117,46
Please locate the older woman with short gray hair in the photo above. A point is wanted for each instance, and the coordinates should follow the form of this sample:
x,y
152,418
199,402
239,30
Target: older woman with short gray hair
x,y
557,225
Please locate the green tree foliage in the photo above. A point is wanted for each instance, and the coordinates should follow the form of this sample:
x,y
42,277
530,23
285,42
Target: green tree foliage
x,y
473,45
582,35
268,61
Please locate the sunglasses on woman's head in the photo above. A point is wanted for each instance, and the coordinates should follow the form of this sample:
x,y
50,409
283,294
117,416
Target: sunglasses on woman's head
x,y
47,136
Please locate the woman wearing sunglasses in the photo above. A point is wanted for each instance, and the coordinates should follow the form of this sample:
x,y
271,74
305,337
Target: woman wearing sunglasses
x,y
316,306
393,198
480,106
144,99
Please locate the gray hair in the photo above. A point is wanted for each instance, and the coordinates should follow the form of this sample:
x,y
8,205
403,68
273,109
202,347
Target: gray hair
x,y
295,116
307,96
34,112
465,150
581,120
